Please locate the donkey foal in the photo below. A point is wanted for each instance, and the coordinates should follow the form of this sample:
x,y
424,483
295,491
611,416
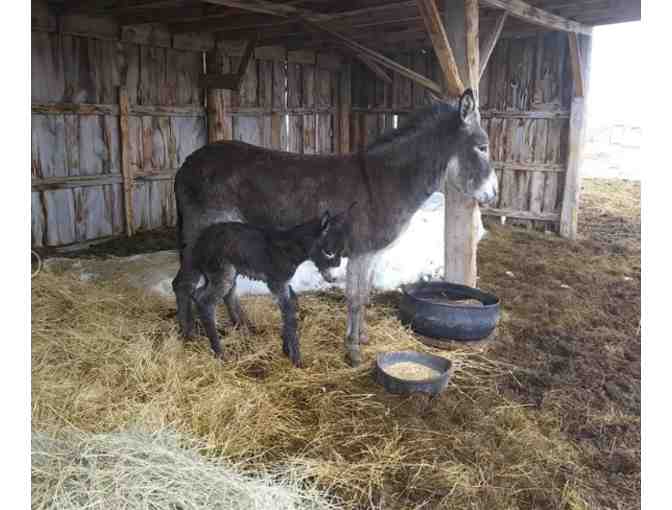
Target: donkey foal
x,y
225,250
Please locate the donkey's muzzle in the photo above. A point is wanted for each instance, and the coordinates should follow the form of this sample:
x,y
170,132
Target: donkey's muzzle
x,y
486,194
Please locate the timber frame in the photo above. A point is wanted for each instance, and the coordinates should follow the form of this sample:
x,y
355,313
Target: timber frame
x,y
313,76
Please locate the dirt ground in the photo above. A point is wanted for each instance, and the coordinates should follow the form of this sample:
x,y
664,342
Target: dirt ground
x,y
545,416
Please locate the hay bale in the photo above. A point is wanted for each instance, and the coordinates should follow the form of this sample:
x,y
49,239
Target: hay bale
x,y
137,471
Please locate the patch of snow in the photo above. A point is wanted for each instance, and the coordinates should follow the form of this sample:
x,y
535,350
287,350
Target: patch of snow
x,y
416,254
87,277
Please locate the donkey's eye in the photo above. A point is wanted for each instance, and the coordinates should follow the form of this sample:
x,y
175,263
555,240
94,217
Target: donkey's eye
x,y
329,255
483,148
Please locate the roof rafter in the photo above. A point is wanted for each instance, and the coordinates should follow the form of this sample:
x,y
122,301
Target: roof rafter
x,y
531,14
444,53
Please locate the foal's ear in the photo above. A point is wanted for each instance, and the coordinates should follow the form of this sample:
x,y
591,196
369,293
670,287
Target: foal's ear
x,y
325,221
467,104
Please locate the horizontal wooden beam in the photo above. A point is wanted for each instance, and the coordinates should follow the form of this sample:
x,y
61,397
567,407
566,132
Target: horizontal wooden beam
x,y
531,14
521,215
83,181
527,167
266,7
113,109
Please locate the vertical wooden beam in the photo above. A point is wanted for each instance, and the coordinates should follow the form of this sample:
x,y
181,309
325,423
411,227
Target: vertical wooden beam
x,y
219,100
577,68
344,108
569,214
462,215
488,43
126,171
471,26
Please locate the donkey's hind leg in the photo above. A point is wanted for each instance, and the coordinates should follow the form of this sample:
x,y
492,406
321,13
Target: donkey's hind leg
x,y
217,286
358,285
236,311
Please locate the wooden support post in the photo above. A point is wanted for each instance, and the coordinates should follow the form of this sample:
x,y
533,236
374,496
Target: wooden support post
x,y
126,171
219,100
577,68
462,214
569,215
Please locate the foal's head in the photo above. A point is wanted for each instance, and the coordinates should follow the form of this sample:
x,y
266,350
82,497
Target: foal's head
x,y
329,245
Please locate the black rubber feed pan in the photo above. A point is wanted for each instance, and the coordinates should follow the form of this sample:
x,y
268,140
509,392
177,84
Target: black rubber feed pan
x,y
433,309
405,372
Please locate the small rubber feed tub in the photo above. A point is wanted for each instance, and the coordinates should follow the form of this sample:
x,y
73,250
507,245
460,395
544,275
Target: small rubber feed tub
x,y
444,310
405,372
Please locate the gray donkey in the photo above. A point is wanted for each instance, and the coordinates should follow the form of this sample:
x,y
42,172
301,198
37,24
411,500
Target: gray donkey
x,y
225,250
389,179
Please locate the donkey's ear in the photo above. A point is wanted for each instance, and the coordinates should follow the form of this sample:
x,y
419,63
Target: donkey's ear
x,y
325,221
467,104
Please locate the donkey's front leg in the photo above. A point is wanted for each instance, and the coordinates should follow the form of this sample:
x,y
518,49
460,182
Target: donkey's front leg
x,y
357,288
287,301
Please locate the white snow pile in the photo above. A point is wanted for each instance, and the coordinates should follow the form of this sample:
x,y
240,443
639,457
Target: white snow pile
x,y
417,254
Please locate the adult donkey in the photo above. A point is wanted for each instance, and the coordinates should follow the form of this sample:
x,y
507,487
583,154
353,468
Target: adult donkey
x,y
389,180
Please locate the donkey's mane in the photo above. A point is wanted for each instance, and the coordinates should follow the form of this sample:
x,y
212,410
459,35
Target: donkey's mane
x,y
417,120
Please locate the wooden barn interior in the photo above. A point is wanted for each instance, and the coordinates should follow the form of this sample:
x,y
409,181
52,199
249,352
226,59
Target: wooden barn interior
x,y
124,90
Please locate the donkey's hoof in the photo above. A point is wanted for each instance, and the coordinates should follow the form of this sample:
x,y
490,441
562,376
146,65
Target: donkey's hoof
x,y
353,357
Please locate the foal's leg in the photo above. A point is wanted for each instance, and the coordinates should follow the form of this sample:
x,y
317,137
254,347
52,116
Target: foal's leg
x,y
184,285
236,311
287,301
218,285
358,284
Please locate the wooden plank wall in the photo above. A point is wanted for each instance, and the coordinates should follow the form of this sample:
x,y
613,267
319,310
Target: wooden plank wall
x,y
287,100
525,96
78,66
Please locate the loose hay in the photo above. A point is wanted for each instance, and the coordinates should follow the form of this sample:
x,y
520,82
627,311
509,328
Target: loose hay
x,y
106,358
160,471
544,417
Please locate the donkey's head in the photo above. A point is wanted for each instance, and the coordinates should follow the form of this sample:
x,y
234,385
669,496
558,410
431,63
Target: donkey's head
x,y
330,244
468,170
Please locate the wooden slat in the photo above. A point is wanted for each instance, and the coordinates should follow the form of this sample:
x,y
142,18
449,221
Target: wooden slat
x,y
488,43
126,169
444,53
529,13
219,100
344,109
